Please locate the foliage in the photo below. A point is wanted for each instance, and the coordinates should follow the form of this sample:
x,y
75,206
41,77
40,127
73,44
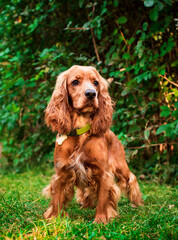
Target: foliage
x,y
22,207
133,42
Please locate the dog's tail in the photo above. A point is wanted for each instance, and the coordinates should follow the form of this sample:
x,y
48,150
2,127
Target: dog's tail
x,y
134,193
129,187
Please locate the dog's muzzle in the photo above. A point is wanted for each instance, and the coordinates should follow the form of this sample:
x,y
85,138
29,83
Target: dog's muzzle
x,y
90,94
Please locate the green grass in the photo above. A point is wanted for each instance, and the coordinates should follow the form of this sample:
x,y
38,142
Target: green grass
x,y
22,207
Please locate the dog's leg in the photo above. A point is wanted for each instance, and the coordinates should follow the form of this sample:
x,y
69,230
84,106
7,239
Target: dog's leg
x,y
103,192
108,196
62,192
113,198
126,180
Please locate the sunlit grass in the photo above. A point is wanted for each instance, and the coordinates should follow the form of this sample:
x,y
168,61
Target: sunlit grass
x,y
22,207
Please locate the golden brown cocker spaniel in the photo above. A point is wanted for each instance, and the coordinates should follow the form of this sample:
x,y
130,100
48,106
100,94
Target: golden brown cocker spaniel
x,y
87,154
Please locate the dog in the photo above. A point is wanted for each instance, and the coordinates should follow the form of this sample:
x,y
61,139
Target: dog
x,y
87,153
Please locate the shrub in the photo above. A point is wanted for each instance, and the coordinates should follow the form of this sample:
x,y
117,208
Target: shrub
x,y
133,42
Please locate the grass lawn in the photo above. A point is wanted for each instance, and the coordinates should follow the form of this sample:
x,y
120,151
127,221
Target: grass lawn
x,y
22,207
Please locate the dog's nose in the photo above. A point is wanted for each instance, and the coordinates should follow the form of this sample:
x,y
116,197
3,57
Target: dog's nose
x,y
90,94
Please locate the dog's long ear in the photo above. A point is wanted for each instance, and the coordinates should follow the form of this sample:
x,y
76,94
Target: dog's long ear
x,y
57,114
102,120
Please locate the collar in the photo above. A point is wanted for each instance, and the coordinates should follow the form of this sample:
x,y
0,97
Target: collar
x,y
79,131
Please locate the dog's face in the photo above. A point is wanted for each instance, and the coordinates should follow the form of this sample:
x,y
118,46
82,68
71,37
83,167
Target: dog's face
x,y
79,90
83,85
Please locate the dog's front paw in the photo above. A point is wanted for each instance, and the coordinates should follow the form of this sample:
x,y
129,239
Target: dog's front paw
x,y
111,213
50,214
100,218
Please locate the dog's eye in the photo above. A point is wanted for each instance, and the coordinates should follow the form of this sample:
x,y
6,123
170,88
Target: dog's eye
x,y
96,83
75,82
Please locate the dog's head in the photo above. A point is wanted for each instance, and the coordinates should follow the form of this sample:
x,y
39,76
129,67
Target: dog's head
x,y
83,90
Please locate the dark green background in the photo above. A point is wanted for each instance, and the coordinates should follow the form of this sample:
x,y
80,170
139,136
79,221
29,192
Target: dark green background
x,y
133,42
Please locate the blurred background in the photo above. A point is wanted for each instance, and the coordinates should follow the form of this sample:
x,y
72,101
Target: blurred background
x,y
133,42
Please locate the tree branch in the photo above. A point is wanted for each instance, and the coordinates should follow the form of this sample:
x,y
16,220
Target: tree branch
x,y
121,32
151,145
175,84
94,44
93,36
78,28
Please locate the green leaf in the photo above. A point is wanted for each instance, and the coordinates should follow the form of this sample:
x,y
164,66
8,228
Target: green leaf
x,y
154,14
31,84
125,92
165,108
131,40
161,129
159,6
169,2
20,82
174,64
168,20
146,134
143,36
115,3
162,71
114,56
138,31
175,91
126,56
34,25
81,3
176,105
165,113
148,3
145,26
175,114
122,20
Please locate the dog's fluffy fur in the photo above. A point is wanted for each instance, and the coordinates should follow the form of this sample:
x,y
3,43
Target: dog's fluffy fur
x,y
94,162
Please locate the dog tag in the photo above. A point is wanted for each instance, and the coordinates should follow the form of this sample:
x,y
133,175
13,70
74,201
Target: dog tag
x,y
61,139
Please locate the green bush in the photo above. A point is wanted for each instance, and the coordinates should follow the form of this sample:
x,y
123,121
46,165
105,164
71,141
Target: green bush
x,y
133,42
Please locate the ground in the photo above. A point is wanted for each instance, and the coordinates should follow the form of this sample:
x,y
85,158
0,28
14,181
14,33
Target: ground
x,y
22,207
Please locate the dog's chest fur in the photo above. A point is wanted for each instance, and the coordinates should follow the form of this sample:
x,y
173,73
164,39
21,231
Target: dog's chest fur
x,y
83,173
78,158
85,180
